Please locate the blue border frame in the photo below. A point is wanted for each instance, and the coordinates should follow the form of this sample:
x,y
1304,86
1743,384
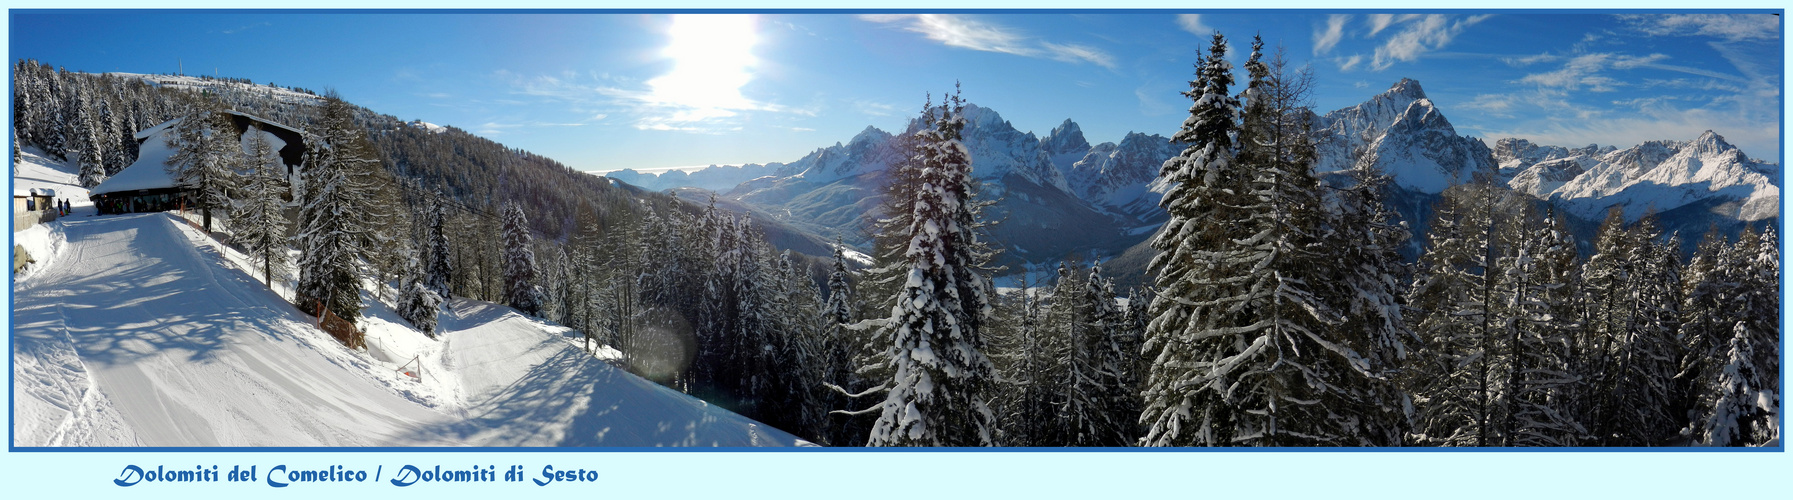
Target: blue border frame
x,y
12,447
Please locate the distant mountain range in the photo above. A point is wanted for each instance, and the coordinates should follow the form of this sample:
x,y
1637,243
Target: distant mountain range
x,y
1060,196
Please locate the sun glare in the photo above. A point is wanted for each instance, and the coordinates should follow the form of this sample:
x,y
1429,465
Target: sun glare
x,y
712,57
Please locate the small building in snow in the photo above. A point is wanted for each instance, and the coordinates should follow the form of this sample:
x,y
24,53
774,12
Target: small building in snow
x,y
147,185
31,207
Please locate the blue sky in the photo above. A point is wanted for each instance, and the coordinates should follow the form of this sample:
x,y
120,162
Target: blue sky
x,y
611,91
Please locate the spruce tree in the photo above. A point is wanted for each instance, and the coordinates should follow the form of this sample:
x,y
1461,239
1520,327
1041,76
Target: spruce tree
x,y
438,270
937,393
1178,409
520,289
333,224
417,303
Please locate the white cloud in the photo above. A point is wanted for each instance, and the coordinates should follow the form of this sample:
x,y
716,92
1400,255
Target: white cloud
x,y
1530,60
1379,22
959,31
1193,23
1733,27
1420,34
874,108
963,32
1325,40
1349,63
1500,105
1585,71
1075,53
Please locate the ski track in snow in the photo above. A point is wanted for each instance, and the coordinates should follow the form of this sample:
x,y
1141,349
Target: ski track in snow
x,y
144,332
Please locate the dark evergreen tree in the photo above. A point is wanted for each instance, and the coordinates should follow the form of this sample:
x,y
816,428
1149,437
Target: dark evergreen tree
x,y
1457,382
333,224
438,269
520,289
1203,183
417,303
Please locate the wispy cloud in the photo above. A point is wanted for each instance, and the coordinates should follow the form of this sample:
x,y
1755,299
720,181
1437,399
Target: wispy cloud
x,y
1379,22
1193,23
1585,71
874,108
1076,53
1418,35
967,33
959,31
1732,27
1325,40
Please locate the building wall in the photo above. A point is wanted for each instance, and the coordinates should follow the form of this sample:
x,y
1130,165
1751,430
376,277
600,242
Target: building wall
x,y
23,219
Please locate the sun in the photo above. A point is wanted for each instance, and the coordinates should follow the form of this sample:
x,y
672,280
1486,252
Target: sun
x,y
712,58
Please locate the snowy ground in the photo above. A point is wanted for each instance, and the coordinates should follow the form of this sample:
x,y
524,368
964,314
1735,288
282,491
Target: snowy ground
x,y
142,331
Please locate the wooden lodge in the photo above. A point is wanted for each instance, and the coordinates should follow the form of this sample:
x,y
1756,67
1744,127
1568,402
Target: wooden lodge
x,y
147,186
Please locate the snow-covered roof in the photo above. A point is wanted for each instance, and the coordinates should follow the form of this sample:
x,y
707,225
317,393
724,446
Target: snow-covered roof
x,y
18,192
150,171
266,121
145,133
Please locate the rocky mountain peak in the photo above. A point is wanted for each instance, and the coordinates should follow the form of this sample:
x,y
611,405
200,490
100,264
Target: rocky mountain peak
x,y
1407,88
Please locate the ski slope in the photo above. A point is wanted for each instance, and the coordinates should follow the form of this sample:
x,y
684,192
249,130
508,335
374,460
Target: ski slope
x,y
142,331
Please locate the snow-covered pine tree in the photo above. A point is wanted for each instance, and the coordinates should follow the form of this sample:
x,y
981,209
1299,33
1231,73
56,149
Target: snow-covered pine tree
x,y
1015,345
842,305
1202,183
258,220
333,223
1114,412
86,141
1067,380
1708,292
937,394
1456,381
1641,355
836,351
1736,417
795,374
1134,366
1260,359
1759,307
1537,313
417,303
1369,292
206,158
520,290
438,269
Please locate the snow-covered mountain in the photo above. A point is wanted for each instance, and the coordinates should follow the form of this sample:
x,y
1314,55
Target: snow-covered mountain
x,y
713,177
1410,138
1655,175
835,191
1058,194
1065,146
1116,176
